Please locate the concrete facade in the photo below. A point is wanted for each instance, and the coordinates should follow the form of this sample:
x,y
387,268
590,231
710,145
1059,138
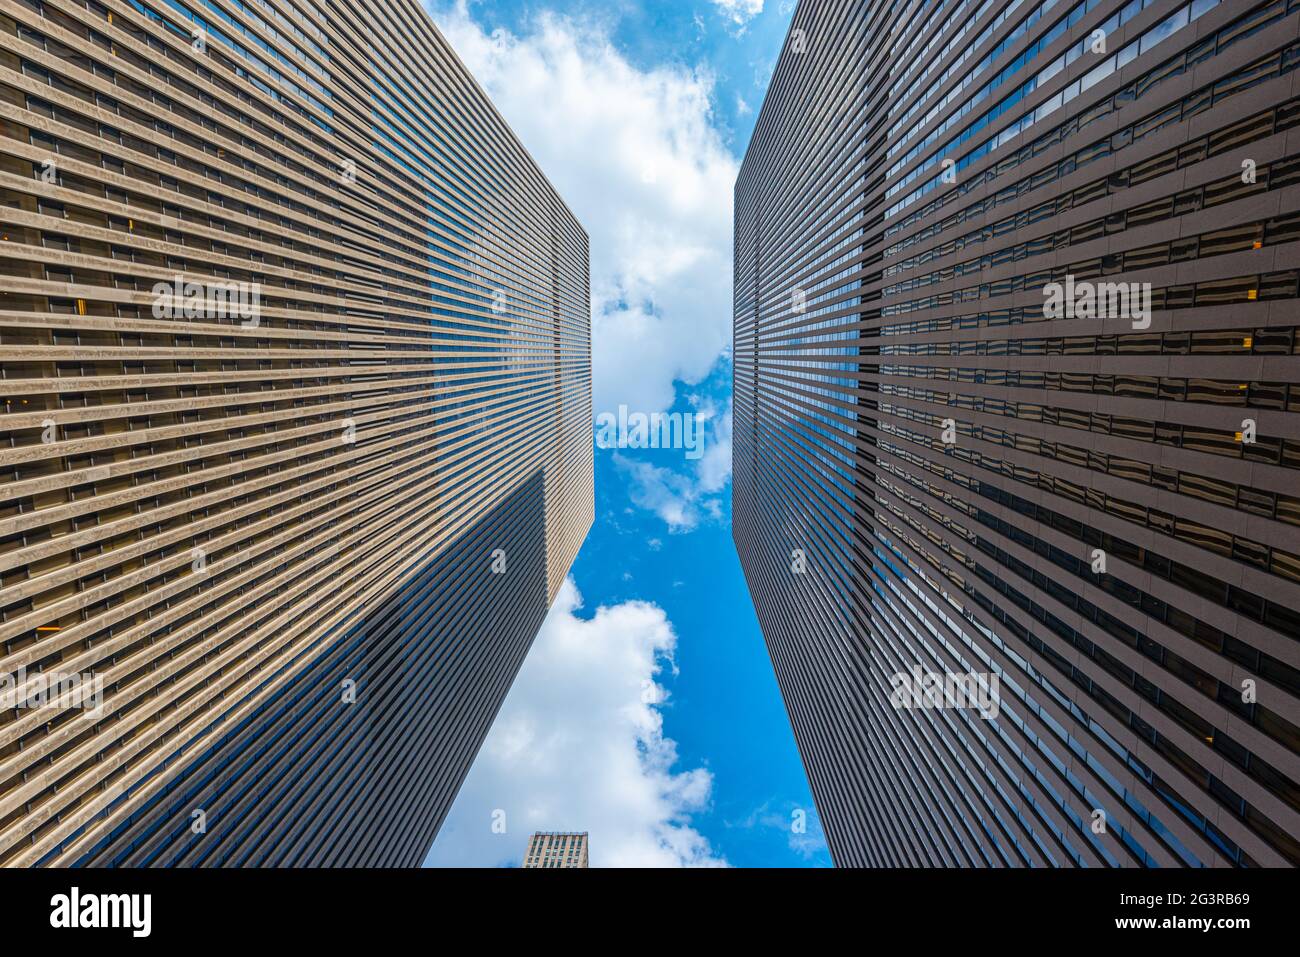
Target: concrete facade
x,y
296,427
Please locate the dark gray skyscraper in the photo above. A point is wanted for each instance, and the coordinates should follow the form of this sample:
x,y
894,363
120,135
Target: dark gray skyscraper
x,y
1017,446
296,428
556,849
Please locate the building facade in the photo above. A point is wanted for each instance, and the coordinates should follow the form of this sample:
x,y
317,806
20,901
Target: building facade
x,y
296,429
1017,445
556,849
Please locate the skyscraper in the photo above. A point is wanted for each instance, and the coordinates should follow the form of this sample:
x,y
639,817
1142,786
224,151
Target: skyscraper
x,y
556,849
297,428
1017,446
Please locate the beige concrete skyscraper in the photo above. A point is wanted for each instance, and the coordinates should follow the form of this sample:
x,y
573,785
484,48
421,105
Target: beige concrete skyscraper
x,y
556,849
296,428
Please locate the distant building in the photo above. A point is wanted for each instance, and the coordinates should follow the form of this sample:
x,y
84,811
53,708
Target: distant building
x,y
946,472
556,849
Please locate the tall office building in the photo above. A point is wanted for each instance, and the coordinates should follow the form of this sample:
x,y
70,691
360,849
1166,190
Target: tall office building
x,y
296,428
1018,414
556,849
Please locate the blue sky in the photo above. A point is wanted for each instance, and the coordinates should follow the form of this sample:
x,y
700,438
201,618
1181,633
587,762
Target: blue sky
x,y
647,713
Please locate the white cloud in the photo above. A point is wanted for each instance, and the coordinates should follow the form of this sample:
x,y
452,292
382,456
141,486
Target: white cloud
x,y
684,499
739,12
714,468
579,745
674,497
637,156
